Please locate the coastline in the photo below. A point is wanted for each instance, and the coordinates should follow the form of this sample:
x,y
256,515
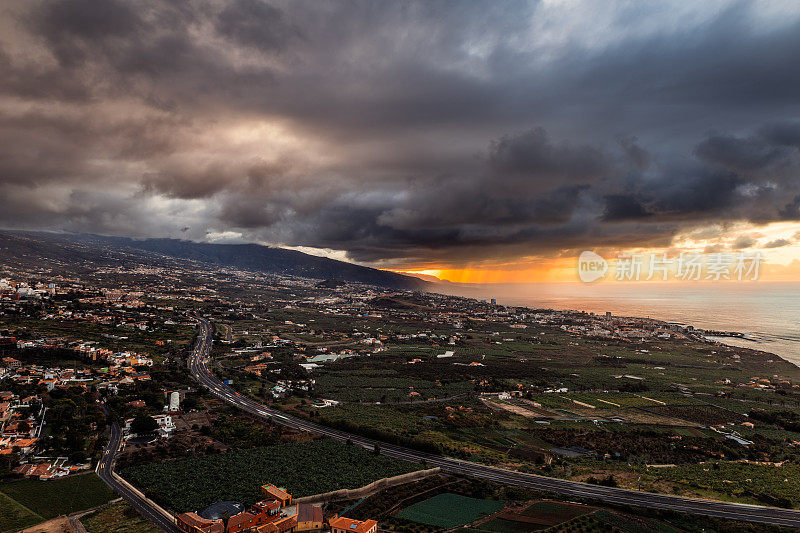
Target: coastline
x,y
742,343
522,298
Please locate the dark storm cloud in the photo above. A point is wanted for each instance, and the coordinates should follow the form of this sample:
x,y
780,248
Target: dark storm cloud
x,y
187,184
790,211
257,24
778,243
743,155
783,134
695,193
398,131
535,161
640,157
743,241
723,62
624,207
72,28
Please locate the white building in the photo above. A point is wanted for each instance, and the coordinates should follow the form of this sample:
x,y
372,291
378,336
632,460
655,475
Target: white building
x,y
165,425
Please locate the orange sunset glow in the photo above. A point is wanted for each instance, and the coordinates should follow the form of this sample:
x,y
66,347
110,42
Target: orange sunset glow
x,y
774,242
425,265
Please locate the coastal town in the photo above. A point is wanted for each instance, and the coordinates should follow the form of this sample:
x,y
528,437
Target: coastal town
x,y
601,399
451,266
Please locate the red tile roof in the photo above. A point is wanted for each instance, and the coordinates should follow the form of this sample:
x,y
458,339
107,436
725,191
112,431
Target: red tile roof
x,y
349,524
309,513
275,492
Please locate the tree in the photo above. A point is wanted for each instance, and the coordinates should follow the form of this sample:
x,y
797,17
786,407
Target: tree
x,y
189,403
143,424
77,457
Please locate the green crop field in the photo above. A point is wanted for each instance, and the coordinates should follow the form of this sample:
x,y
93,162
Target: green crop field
x,y
450,510
304,469
53,498
362,387
773,484
14,516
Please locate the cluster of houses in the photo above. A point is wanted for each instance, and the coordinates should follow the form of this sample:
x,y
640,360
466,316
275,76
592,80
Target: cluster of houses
x,y
275,514
626,329
258,363
766,384
18,434
92,352
89,351
15,290
49,470
125,368
122,308
49,377
10,289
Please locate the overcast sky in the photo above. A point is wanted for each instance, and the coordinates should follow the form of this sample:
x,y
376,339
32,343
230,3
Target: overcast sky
x,y
400,133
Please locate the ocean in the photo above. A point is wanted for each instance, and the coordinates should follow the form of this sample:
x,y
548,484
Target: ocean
x,y
768,313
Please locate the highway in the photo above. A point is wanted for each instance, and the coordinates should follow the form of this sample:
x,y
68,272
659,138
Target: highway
x,y
198,367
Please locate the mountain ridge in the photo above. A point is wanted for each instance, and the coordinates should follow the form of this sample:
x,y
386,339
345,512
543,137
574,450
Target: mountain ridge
x,y
246,256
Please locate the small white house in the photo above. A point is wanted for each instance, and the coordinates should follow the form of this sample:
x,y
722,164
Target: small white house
x,y
165,425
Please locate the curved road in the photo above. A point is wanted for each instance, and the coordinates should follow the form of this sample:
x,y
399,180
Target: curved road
x,y
105,469
198,366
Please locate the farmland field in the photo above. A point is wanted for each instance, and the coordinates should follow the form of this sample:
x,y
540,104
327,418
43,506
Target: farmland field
x,y
538,515
450,510
304,469
503,525
589,522
703,414
602,520
14,516
53,498
554,511
773,484
118,518
362,387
